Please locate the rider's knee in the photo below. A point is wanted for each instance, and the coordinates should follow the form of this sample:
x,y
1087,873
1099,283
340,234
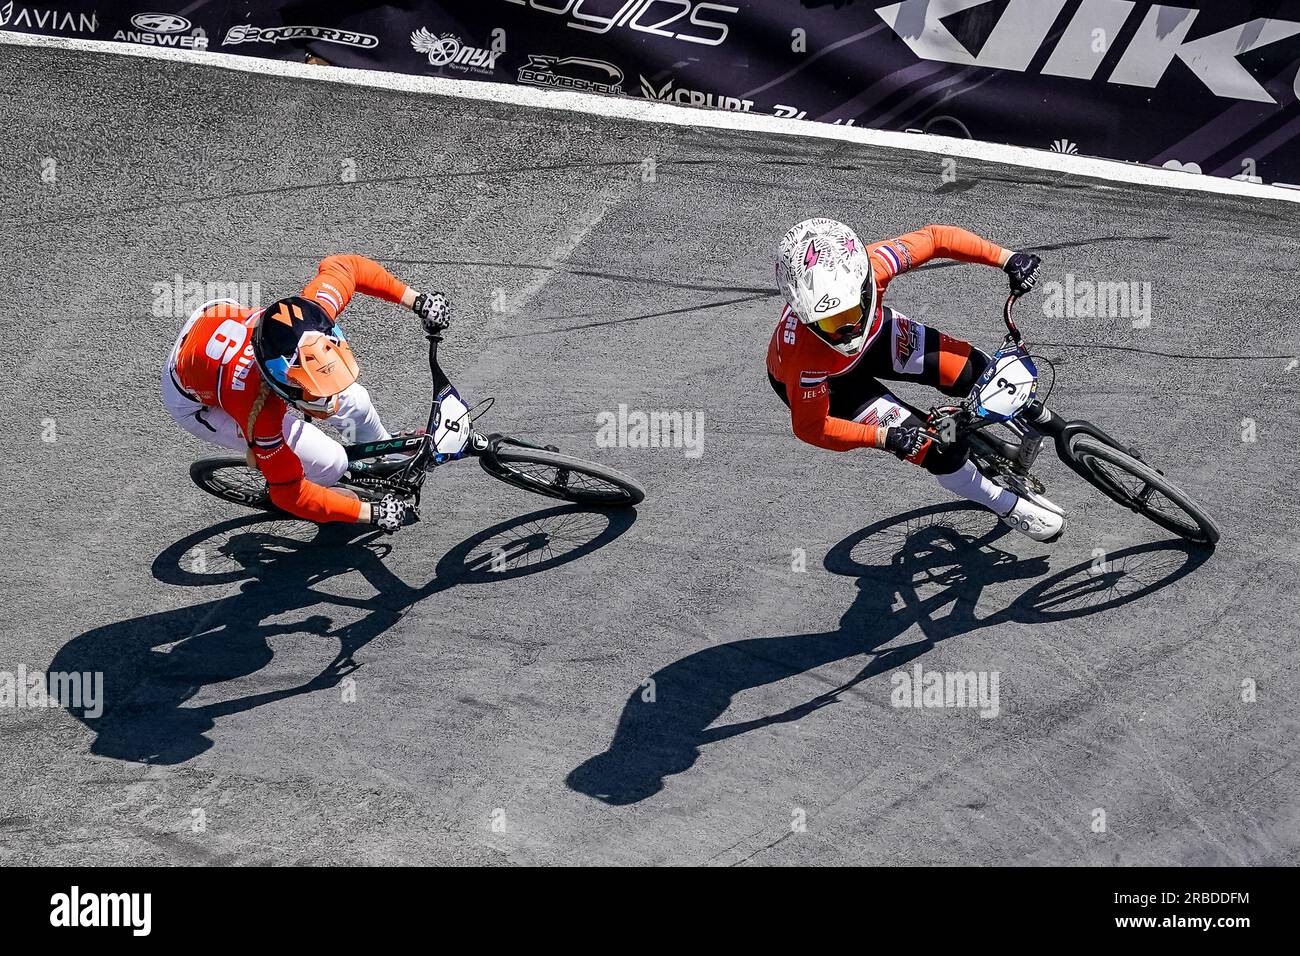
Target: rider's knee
x,y
353,400
327,464
960,366
323,459
939,460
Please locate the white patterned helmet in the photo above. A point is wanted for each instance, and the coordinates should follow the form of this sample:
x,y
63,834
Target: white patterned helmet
x,y
825,274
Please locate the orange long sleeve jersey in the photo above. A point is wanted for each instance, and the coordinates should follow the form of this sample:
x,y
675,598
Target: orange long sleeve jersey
x,y
803,363
215,364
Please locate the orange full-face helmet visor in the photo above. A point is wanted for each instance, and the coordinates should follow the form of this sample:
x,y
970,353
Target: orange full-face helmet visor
x,y
323,366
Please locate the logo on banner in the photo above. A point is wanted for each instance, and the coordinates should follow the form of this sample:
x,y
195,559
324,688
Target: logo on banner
x,y
36,18
246,33
576,73
160,22
689,22
687,97
448,50
162,29
1160,38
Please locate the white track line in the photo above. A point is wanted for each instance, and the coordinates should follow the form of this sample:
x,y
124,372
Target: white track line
x,y
579,229
650,111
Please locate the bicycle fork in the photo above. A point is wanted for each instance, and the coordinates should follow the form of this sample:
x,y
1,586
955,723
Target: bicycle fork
x,y
1041,419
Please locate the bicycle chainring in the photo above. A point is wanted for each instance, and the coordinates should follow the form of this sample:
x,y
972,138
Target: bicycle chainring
x,y
996,466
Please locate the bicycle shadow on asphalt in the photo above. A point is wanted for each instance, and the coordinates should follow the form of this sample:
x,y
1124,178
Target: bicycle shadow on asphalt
x,y
154,664
946,547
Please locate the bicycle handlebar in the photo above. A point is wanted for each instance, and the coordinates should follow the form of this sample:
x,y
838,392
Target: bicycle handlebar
x,y
1010,307
967,424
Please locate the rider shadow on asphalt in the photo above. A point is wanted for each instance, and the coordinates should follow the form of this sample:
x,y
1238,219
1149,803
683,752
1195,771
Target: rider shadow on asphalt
x,y
948,547
153,665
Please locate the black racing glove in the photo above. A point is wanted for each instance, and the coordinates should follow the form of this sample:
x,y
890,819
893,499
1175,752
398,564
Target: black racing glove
x,y
1023,269
905,441
390,513
434,311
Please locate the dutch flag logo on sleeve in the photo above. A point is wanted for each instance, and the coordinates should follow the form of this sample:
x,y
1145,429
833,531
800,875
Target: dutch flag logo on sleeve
x,y
896,257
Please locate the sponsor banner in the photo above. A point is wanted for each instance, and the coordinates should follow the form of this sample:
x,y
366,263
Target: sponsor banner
x,y
1204,86
56,19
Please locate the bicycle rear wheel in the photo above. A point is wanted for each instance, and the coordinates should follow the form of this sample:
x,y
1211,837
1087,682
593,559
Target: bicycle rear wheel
x,y
230,479
1141,488
561,476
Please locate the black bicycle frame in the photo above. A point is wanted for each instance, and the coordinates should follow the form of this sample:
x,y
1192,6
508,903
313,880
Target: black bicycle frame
x,y
1044,421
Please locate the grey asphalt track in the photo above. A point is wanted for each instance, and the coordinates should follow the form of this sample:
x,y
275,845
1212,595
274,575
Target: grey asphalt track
x,y
657,690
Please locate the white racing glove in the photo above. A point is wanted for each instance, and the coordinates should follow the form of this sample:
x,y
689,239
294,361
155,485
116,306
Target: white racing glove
x,y
434,311
390,513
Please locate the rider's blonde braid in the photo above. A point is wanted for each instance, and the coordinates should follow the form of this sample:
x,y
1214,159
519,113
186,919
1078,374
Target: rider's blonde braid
x,y
263,393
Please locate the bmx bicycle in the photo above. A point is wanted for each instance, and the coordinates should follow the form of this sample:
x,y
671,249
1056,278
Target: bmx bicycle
x,y
399,465
1006,395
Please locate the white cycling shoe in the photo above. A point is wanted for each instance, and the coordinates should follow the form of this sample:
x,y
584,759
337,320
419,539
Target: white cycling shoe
x,y
1035,521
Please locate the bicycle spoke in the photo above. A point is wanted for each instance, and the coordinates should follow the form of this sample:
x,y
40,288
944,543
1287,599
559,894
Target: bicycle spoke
x,y
1144,496
1172,510
563,479
242,480
248,483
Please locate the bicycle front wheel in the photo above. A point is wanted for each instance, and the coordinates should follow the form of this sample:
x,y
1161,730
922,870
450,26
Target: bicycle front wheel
x,y
1141,488
561,476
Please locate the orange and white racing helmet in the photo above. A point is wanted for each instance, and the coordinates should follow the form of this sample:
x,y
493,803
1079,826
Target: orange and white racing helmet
x,y
825,274
303,355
